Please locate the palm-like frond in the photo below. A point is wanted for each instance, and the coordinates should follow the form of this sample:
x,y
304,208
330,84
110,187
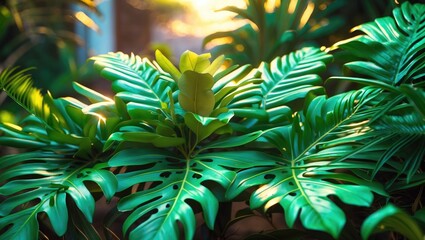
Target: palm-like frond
x,y
407,144
66,137
275,32
147,97
135,80
46,18
59,123
393,47
314,147
19,86
40,181
238,91
391,56
290,78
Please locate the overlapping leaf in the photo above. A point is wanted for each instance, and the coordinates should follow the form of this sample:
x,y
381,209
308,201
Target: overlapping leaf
x,y
39,181
19,86
320,140
58,123
391,218
289,78
391,56
135,80
393,47
66,138
171,186
276,31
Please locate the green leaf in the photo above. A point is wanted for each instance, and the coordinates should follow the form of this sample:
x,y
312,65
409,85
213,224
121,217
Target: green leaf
x,y
56,209
233,141
215,65
203,127
179,182
271,33
391,218
134,79
416,96
19,86
167,66
327,132
291,77
190,61
237,89
144,137
24,225
92,95
195,94
392,47
40,181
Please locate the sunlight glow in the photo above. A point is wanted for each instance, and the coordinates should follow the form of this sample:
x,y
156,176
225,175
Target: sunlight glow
x,y
270,5
86,20
292,5
265,192
13,126
272,202
307,14
219,41
203,18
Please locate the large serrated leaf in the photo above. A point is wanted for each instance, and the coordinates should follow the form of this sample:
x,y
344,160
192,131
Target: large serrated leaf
x,y
312,148
48,178
177,181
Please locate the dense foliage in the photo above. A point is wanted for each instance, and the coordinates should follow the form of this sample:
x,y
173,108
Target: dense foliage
x,y
176,144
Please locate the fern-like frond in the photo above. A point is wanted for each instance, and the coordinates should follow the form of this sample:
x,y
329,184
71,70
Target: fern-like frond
x,y
135,80
19,86
392,49
276,31
290,78
40,181
330,134
407,144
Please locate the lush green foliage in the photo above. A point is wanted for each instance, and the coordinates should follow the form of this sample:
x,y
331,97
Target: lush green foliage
x,y
176,141
269,34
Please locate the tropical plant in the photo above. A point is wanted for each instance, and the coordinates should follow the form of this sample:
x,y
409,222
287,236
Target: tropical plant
x,y
177,146
270,33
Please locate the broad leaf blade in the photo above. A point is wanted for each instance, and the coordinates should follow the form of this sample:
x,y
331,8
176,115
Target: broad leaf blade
x,y
195,94
391,218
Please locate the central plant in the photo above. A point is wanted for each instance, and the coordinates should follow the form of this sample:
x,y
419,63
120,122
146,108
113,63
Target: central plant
x,y
186,114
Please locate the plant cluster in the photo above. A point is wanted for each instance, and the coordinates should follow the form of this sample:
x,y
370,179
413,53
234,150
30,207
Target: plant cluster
x,y
176,143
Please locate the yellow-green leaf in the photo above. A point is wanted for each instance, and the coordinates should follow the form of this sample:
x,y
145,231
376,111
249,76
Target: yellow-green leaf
x,y
167,65
195,94
190,61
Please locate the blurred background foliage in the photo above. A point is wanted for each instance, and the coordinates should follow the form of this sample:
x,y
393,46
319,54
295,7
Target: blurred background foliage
x,y
275,27
40,34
